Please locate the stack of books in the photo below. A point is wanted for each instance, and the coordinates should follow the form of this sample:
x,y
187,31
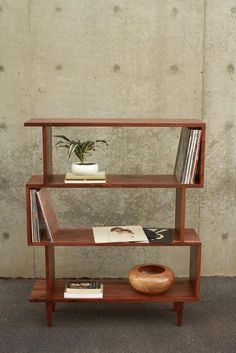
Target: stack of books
x,y
84,288
99,177
187,160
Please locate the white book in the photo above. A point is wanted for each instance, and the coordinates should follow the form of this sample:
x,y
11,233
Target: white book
x,y
98,175
119,234
83,295
87,181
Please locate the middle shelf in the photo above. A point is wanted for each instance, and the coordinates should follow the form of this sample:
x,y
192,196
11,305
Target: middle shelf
x,y
115,181
84,237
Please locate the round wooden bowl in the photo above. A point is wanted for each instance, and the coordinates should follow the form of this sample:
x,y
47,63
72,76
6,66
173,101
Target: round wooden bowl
x,y
151,278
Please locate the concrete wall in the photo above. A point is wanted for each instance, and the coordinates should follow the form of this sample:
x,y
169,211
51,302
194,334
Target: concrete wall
x,y
87,58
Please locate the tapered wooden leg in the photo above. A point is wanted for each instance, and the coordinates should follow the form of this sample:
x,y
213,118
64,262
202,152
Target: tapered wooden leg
x,y
49,311
178,307
174,307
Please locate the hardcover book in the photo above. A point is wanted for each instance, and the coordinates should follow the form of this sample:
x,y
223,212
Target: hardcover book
x,y
98,175
182,153
84,286
85,181
83,295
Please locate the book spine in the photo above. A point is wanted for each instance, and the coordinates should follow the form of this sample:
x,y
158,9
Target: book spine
x,y
83,296
95,181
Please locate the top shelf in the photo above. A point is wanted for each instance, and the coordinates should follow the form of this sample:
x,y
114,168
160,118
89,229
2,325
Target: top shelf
x,y
98,122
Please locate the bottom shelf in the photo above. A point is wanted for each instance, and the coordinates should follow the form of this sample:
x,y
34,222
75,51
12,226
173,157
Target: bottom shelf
x,y
117,290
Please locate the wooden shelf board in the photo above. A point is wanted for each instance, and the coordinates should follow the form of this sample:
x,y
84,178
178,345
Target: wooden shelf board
x,y
84,237
114,181
101,122
117,290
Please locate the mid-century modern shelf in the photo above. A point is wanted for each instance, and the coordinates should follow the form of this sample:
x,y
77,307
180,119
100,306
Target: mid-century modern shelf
x,y
51,290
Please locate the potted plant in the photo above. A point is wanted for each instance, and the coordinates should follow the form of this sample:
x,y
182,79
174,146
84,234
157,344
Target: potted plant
x,y
82,150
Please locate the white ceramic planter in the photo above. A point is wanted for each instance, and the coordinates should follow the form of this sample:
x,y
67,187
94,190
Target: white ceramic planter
x,y
84,169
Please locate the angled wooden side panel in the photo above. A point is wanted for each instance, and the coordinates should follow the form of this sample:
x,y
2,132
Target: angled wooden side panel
x,y
180,212
47,153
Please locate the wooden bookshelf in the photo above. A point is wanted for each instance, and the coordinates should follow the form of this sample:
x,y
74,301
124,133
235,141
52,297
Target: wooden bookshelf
x,y
51,289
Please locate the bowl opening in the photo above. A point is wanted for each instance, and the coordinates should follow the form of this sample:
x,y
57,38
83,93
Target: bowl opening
x,y
151,269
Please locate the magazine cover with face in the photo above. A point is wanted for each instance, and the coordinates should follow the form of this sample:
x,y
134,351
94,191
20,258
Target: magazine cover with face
x,y
119,234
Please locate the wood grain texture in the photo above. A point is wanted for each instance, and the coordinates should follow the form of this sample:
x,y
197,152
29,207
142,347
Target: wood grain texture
x,y
114,181
202,156
195,268
84,237
50,269
180,203
47,153
28,215
116,290
123,122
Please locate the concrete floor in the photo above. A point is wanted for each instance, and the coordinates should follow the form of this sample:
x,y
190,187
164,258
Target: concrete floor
x,y
209,326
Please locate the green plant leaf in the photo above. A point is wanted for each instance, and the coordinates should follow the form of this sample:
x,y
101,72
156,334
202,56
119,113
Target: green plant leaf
x,y
63,137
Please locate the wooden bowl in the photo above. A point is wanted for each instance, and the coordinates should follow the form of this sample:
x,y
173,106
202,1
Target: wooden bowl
x,y
151,278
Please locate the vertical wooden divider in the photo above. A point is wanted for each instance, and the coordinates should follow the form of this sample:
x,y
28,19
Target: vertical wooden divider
x,y
180,212
195,268
202,155
28,216
50,278
47,153
50,268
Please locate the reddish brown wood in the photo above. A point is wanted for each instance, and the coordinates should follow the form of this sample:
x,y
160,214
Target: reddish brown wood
x,y
179,306
28,216
84,237
47,153
195,268
202,155
134,122
117,290
51,290
114,181
50,268
174,307
180,212
49,312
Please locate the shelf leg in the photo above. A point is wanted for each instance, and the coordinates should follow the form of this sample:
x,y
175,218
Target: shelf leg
x,y
178,307
174,307
53,307
49,312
